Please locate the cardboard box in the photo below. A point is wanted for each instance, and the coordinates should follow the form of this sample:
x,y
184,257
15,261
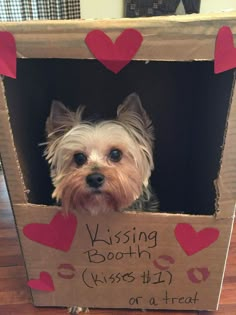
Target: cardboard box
x,y
166,260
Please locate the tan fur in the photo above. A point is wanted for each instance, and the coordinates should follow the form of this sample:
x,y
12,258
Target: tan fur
x,y
68,134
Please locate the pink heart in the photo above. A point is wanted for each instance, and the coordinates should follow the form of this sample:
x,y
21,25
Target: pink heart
x,y
7,54
193,242
114,56
58,234
44,283
225,52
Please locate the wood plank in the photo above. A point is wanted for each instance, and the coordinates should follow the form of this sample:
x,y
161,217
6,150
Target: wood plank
x,y
14,297
12,272
11,260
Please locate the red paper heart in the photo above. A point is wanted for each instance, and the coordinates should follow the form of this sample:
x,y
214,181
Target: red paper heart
x,y
44,283
225,53
58,234
7,54
193,242
114,56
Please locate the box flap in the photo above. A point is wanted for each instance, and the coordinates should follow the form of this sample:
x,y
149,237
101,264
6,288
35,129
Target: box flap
x,y
187,37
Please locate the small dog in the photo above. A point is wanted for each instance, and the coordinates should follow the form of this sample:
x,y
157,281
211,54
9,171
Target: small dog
x,y
104,166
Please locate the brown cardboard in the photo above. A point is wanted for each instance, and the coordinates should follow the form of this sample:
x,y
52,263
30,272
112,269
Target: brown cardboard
x,y
8,153
98,293
24,106
189,37
227,180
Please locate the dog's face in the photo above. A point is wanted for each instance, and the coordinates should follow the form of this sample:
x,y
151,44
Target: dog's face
x,y
99,167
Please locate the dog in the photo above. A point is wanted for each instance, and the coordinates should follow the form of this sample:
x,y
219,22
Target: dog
x,y
98,167
103,166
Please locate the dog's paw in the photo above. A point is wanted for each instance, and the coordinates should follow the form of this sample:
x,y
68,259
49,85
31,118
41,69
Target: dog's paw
x,y
73,310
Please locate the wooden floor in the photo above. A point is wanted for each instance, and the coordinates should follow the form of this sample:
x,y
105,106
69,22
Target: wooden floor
x,y
15,296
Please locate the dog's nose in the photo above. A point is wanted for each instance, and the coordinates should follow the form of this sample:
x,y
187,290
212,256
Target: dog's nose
x,y
95,180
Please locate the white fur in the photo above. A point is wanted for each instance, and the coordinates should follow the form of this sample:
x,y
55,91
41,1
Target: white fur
x,y
96,141
125,181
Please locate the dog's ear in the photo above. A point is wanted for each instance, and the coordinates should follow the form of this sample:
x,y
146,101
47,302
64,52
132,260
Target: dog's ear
x,y
61,119
132,114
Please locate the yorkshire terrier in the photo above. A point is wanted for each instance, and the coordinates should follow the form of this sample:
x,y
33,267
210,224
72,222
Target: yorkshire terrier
x,y
103,166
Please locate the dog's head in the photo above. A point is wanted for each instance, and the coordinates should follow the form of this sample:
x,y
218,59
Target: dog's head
x,y
103,166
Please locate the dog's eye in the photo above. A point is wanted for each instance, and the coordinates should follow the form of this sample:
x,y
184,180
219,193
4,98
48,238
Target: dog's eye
x,y
115,155
80,158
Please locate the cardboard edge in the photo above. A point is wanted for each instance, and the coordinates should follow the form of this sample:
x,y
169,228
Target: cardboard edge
x,y
152,19
11,166
226,258
52,208
226,194
176,37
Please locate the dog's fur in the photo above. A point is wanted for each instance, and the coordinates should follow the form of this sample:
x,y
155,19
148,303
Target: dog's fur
x,y
126,182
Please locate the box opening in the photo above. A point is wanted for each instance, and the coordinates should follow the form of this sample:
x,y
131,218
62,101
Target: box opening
x,y
187,103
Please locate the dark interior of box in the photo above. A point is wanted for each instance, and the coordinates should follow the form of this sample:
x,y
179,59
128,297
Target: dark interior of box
x,y
188,105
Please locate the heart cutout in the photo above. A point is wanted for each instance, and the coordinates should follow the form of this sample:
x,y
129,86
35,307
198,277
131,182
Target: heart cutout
x,y
225,52
193,242
7,54
44,283
58,234
114,56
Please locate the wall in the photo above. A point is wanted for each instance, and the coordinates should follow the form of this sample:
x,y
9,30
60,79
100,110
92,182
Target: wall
x,y
208,6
